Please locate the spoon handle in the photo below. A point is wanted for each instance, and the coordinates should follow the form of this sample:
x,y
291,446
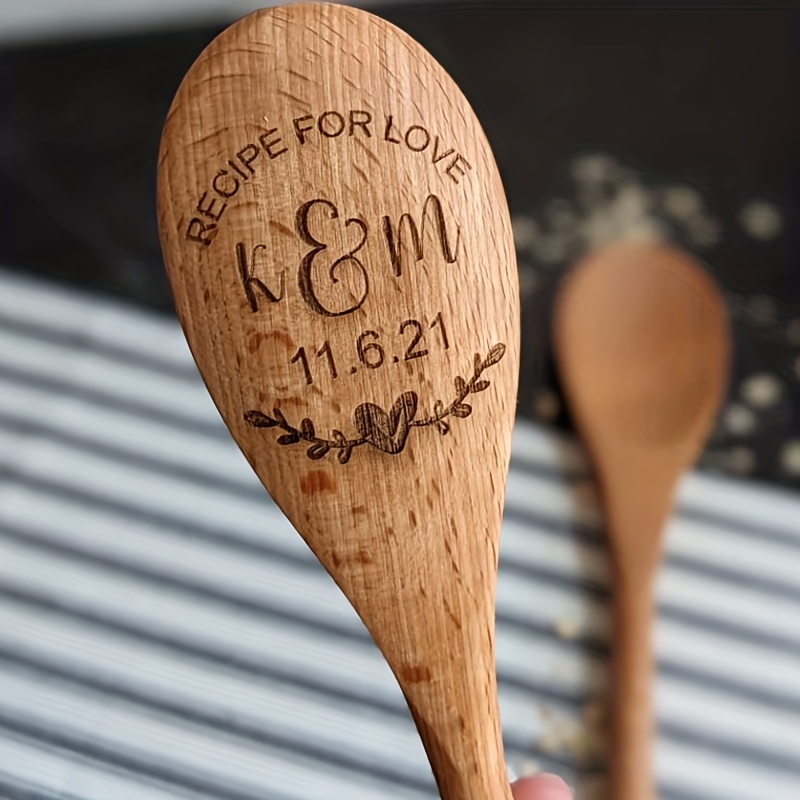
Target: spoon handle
x,y
632,713
458,723
440,647
637,511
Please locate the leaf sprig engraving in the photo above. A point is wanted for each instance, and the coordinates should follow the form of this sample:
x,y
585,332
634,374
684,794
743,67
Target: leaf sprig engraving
x,y
386,431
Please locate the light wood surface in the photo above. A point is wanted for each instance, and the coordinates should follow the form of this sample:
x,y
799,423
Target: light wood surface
x,y
642,346
340,253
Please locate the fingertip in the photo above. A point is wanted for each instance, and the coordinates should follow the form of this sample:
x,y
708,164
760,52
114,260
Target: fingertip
x,y
543,786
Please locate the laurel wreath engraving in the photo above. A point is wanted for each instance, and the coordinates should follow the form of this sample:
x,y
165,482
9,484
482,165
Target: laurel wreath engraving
x,y
385,431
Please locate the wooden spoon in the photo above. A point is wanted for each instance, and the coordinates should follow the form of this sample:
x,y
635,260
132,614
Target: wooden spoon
x,y
341,258
642,346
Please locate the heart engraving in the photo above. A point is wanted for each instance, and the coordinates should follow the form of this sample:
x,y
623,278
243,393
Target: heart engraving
x,y
387,432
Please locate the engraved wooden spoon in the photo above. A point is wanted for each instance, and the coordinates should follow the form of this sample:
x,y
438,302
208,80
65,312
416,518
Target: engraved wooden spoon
x,y
340,252
642,343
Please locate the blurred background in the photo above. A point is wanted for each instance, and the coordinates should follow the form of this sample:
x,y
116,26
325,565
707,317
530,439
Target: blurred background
x,y
163,631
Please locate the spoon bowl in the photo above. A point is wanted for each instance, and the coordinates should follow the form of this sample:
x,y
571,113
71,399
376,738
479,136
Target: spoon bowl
x,y
340,253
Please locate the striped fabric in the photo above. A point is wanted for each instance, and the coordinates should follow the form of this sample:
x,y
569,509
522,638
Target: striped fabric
x,y
164,633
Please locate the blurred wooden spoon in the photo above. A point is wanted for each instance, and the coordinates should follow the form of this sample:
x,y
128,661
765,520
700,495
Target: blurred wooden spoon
x,y
642,343
340,252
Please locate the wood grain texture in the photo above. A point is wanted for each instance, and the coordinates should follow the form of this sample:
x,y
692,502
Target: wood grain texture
x,y
339,249
642,347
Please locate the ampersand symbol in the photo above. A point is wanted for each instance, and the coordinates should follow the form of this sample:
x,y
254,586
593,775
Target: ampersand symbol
x,y
305,281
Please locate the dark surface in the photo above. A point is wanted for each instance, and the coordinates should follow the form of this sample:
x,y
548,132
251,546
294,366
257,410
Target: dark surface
x,y
704,100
